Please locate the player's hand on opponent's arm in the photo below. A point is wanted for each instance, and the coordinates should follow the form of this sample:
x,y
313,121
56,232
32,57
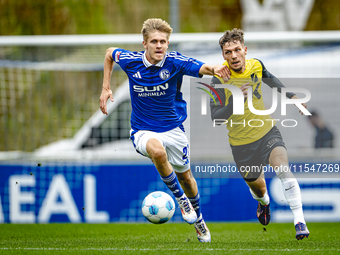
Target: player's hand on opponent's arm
x,y
219,70
222,71
304,105
106,94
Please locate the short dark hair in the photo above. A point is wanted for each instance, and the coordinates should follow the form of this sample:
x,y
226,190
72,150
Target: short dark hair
x,y
232,36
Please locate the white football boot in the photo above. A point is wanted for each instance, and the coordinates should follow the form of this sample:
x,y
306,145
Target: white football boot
x,y
188,212
203,233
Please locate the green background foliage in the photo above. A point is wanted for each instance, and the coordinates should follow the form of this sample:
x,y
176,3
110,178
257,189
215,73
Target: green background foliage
x,y
41,17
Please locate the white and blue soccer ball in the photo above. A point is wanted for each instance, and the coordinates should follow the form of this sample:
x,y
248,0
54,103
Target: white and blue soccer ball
x,y
158,207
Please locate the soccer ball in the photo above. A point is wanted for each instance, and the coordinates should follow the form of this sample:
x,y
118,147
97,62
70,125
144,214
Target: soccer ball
x,y
158,207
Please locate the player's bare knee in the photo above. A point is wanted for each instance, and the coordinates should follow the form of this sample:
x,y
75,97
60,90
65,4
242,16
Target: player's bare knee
x,y
278,157
156,150
279,164
283,172
158,154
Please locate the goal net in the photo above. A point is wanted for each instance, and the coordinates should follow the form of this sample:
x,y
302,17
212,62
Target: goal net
x,y
48,92
50,86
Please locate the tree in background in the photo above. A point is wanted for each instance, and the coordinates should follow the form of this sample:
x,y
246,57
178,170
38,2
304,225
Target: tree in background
x,y
40,17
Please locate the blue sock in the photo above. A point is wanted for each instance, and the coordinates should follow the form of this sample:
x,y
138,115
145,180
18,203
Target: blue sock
x,y
196,203
173,184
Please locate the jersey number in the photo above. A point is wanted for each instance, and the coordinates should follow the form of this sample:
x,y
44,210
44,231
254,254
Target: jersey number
x,y
186,155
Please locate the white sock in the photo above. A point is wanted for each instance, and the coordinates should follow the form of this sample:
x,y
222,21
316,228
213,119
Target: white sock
x,y
291,190
265,200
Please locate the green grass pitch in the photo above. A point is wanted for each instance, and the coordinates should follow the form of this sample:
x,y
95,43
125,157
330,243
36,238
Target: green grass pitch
x,y
169,238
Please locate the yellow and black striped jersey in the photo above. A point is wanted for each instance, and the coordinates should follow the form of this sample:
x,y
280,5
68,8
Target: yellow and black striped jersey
x,y
247,128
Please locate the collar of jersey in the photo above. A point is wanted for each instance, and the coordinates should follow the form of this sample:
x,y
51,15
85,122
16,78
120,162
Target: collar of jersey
x,y
148,64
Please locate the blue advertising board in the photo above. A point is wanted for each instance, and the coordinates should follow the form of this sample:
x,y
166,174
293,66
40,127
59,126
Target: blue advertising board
x,y
98,193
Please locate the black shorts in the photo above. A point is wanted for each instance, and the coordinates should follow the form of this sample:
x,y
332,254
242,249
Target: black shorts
x,y
251,158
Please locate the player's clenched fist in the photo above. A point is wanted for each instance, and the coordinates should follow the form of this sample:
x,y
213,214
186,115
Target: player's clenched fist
x,y
106,94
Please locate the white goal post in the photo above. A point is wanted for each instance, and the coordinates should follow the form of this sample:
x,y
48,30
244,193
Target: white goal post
x,y
250,37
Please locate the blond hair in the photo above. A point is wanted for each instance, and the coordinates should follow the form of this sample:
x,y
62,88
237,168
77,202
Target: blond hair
x,y
151,25
232,36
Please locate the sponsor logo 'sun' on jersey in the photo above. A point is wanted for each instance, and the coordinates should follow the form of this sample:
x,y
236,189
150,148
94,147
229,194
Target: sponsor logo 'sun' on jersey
x,y
157,102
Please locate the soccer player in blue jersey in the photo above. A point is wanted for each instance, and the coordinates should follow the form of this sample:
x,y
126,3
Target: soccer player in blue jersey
x,y
158,111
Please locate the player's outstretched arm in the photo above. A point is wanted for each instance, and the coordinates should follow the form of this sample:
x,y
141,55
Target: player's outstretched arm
x,y
219,70
106,91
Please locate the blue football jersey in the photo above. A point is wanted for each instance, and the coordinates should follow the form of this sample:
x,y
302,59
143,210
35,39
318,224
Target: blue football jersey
x,y
156,99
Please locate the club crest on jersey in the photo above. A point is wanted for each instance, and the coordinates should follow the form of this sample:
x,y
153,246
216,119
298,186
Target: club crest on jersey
x,y
164,74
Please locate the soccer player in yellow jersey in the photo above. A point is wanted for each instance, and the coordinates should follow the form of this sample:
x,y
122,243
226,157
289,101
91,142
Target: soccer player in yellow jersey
x,y
261,142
